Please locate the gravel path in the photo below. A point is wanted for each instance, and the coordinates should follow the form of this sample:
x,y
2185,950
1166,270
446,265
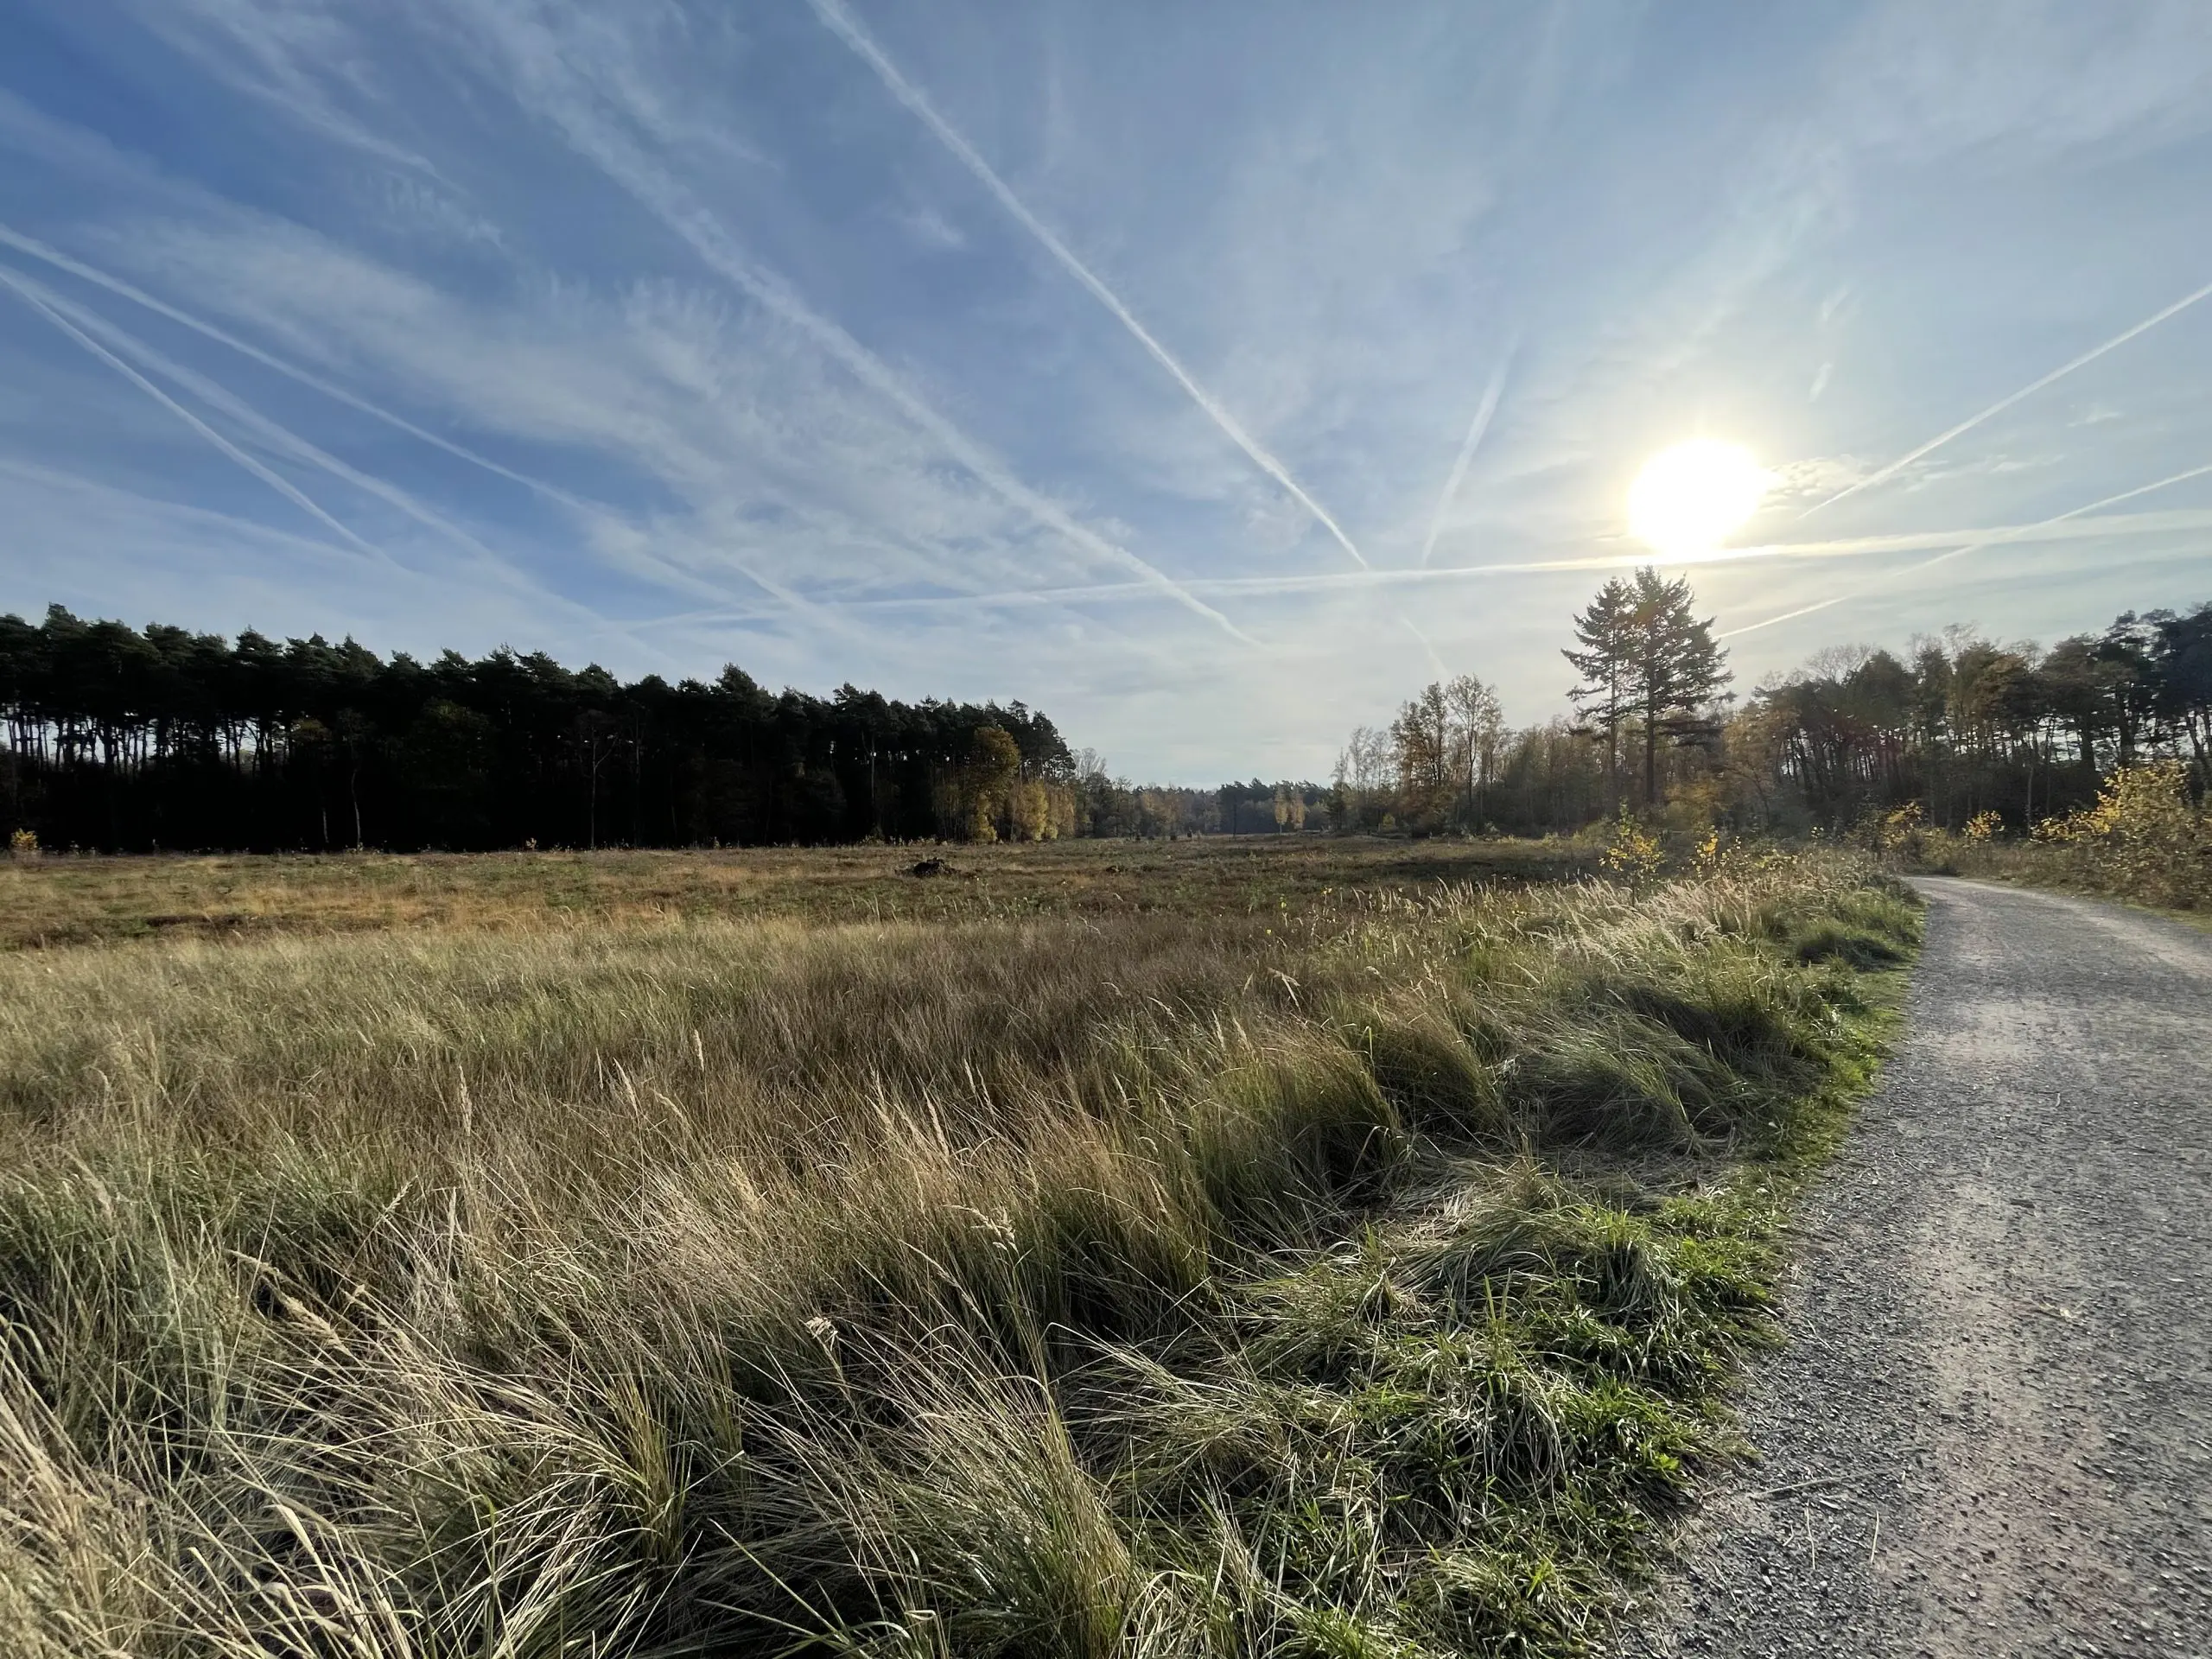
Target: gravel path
x,y
1991,1431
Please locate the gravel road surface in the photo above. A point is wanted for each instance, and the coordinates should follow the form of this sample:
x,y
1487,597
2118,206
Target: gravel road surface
x,y
1991,1431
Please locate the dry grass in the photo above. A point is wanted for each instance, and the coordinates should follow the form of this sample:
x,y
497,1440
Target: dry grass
x,y
1351,1275
69,899
2177,884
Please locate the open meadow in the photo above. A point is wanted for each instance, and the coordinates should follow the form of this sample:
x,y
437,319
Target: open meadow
x,y
67,900
1292,1247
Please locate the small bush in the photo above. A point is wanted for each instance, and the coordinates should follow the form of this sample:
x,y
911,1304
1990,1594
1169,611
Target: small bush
x,y
1634,852
2142,839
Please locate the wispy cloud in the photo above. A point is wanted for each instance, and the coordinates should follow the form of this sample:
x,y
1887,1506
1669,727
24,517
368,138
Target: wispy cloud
x,y
719,529
657,189
107,550
2051,528
1883,474
297,58
127,344
112,344
327,387
841,22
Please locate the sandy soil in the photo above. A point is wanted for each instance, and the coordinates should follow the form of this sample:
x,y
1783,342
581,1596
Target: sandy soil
x,y
1991,1431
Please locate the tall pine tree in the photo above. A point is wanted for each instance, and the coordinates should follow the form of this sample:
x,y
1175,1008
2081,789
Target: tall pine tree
x,y
1602,663
1646,658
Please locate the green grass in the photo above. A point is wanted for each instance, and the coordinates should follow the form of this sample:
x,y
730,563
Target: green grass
x,y
1354,1273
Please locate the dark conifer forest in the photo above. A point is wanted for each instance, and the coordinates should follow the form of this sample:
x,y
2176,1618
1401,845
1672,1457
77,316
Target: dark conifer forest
x,y
126,740
123,739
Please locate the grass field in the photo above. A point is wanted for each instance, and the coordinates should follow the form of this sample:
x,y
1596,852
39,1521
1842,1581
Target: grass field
x,y
1307,1249
66,900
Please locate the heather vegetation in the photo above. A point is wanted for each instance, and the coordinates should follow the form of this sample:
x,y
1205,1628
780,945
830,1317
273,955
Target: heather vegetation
x,y
50,901
1302,1270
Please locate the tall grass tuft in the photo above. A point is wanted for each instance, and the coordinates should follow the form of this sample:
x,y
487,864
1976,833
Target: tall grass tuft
x,y
1353,1280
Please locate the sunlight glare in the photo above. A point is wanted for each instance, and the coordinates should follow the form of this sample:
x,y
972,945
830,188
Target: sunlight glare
x,y
1689,497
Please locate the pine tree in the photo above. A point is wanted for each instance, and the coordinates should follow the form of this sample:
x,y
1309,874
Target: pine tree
x,y
1646,657
1604,663
1678,671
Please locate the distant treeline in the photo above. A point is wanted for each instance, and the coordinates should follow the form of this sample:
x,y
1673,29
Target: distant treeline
x,y
1961,724
123,739
1965,725
119,739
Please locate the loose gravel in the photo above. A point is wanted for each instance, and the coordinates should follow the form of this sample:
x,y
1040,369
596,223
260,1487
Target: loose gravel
x,y
1990,1432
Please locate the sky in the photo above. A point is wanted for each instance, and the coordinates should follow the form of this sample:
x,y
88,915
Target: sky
x,y
1209,376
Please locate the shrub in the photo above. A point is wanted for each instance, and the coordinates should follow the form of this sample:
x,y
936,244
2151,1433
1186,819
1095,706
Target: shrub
x,y
1902,831
1634,852
2143,838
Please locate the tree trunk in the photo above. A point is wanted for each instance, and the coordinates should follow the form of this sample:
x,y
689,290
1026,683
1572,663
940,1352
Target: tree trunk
x,y
1650,759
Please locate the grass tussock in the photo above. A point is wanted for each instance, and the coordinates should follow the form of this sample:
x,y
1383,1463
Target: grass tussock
x,y
1356,1277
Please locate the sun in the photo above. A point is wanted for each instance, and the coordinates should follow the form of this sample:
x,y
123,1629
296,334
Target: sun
x,y
1689,497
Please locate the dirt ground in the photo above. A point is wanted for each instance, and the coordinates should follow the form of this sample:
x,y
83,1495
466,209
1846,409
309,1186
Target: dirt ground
x,y
1991,1431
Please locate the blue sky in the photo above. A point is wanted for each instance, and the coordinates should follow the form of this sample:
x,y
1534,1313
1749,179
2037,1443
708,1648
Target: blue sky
x,y
1209,376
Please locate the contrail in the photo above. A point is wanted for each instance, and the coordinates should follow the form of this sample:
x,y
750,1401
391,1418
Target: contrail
x,y
281,436
705,235
276,482
302,542
840,22
550,88
1338,582
1787,616
660,568
2002,404
2060,518
1476,428
55,256
1434,661
284,438
2025,532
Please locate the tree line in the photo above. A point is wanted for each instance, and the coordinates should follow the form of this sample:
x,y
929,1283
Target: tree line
x,y
1960,723
1968,725
124,739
